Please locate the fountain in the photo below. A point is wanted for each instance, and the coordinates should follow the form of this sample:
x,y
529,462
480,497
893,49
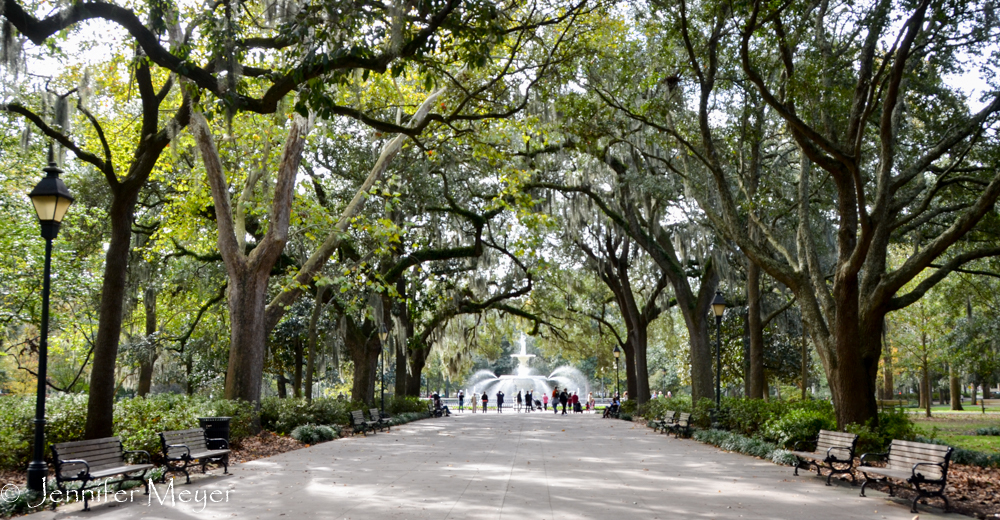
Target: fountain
x,y
564,377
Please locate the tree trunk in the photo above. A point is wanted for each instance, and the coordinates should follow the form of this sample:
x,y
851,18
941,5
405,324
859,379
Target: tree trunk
x,y
925,386
247,293
100,404
641,367
702,372
987,392
147,364
297,369
364,352
282,386
313,339
889,386
805,364
852,379
756,326
417,359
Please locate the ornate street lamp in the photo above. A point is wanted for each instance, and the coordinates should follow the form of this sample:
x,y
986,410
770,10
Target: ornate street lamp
x,y
718,307
51,200
617,352
383,333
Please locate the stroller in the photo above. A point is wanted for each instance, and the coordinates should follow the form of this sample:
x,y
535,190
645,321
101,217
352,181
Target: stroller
x,y
538,404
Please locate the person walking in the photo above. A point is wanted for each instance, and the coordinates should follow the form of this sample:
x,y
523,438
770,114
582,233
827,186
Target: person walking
x,y
475,401
461,400
574,401
500,401
555,400
518,401
486,400
528,403
563,399
591,403
545,402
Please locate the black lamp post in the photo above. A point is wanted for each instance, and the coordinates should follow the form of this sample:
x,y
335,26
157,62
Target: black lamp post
x,y
718,307
617,352
51,200
383,333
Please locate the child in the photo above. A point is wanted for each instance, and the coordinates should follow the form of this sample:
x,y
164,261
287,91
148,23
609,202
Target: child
x,y
545,401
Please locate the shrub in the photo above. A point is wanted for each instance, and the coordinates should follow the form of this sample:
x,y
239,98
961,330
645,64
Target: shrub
x,y
657,407
65,416
747,416
629,407
701,414
284,415
311,434
242,417
406,417
893,424
735,442
797,426
969,457
404,404
992,430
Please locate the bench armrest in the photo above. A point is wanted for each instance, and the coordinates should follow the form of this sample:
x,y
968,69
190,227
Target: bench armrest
x,y
830,455
938,464
74,461
212,442
142,452
864,457
185,446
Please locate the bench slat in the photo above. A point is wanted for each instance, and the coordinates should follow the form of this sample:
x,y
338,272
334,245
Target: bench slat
x,y
91,442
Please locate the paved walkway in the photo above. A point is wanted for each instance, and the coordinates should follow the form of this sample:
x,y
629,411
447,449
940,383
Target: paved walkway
x,y
513,466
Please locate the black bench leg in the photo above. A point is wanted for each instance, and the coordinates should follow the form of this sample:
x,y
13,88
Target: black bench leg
x,y
225,464
863,486
797,464
186,474
913,508
86,501
828,477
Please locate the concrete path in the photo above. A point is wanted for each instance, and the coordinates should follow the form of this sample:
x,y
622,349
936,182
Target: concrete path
x,y
512,466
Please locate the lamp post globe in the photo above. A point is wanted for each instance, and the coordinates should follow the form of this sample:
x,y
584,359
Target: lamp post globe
x,y
51,200
718,308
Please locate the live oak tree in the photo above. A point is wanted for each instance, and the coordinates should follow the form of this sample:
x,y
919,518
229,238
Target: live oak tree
x,y
869,132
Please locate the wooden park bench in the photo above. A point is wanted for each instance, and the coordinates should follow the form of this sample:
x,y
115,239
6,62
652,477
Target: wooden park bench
x,y
359,424
834,450
664,422
681,425
95,461
915,463
891,403
185,448
382,422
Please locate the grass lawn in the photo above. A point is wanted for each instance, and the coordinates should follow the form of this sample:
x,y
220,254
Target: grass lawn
x,y
959,428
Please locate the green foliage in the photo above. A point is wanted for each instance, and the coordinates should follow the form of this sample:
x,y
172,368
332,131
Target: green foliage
x,y
993,430
655,408
630,407
311,433
969,457
701,414
893,424
402,405
242,416
406,417
139,421
65,416
735,442
798,425
284,415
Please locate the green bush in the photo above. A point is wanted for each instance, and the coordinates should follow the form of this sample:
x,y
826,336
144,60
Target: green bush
x,y
402,404
892,424
655,408
992,430
968,457
65,417
242,416
735,442
629,407
139,421
405,417
284,415
311,434
797,426
701,414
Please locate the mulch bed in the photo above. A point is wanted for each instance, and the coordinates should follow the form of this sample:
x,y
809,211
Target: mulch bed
x,y
263,445
971,491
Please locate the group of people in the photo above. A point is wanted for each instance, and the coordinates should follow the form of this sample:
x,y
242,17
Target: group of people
x,y
526,399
